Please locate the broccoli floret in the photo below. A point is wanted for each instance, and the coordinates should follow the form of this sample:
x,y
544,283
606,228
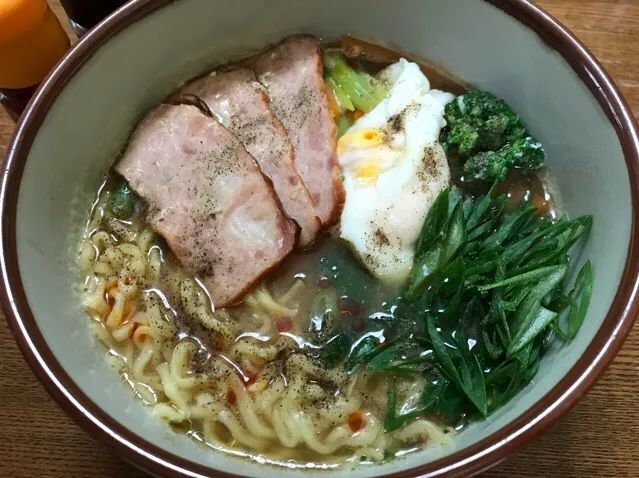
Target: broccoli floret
x,y
494,165
489,137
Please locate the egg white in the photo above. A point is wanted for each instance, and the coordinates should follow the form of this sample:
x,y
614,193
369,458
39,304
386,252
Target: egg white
x,y
393,168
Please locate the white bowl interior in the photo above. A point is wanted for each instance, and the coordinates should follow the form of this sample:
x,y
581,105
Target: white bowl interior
x,y
91,118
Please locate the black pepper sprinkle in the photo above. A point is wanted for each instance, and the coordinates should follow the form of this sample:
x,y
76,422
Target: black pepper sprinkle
x,y
429,170
380,237
395,123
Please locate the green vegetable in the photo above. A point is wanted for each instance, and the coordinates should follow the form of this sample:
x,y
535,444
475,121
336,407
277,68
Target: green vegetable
x,y
343,99
386,358
432,228
489,137
392,421
335,350
465,372
494,165
484,297
436,398
424,267
122,201
326,330
331,341
343,123
455,236
530,318
361,351
579,299
346,275
324,315
363,92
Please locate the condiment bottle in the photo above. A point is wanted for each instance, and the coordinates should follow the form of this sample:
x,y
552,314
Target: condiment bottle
x,y
85,14
31,43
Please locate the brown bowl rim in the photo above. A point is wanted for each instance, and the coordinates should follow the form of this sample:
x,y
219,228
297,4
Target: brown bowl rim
x,y
470,460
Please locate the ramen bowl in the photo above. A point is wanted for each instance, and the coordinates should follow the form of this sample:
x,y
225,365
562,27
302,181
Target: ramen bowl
x,y
82,115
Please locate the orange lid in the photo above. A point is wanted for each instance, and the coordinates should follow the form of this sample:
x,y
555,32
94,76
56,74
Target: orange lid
x,y
17,17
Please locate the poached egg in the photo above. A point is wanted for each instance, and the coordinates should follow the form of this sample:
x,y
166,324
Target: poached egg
x,y
393,168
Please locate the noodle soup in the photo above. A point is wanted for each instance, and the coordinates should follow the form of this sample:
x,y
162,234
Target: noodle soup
x,y
320,303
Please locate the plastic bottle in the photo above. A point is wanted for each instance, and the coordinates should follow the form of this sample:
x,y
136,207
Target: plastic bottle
x,y
31,43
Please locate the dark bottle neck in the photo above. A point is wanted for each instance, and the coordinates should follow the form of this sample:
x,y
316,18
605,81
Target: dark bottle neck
x,y
15,100
88,13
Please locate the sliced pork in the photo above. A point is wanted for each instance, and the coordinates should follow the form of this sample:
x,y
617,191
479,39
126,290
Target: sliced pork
x,y
208,198
292,73
241,104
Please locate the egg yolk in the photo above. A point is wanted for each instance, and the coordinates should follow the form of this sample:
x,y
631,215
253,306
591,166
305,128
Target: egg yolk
x,y
360,139
369,171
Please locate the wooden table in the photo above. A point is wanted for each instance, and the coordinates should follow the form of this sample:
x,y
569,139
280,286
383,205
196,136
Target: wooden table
x,y
597,439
